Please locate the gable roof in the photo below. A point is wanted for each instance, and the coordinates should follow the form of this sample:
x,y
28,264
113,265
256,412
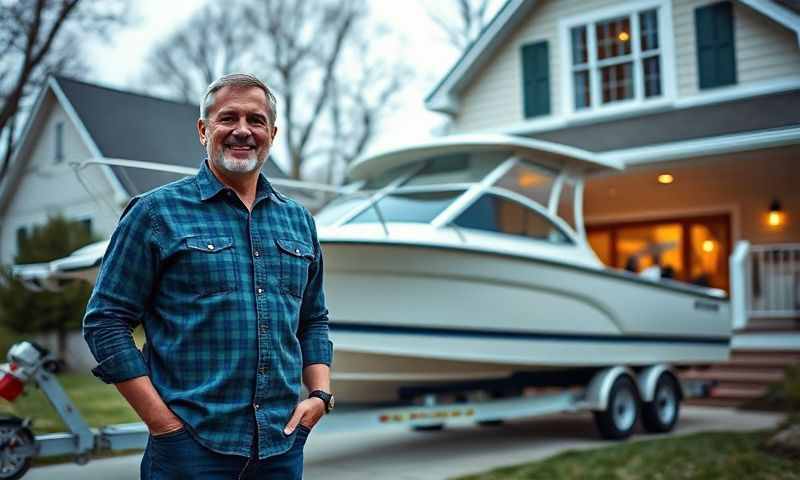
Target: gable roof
x,y
133,126
481,51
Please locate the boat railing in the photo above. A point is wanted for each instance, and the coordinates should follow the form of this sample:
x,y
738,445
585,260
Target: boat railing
x,y
772,275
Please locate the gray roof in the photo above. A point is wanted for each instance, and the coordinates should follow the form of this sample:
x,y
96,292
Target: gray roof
x,y
764,112
132,126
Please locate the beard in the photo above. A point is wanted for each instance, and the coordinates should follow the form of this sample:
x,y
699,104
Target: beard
x,y
235,165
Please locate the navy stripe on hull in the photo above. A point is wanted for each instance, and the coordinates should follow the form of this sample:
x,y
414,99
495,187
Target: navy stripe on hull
x,y
511,335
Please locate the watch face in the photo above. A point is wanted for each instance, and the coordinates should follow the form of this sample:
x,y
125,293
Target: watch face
x,y
331,403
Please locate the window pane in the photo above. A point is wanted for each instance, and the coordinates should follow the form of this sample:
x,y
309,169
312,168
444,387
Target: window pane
x,y
458,168
388,176
617,82
601,244
339,207
530,181
648,27
580,52
582,90
497,214
656,245
652,76
566,203
408,207
613,38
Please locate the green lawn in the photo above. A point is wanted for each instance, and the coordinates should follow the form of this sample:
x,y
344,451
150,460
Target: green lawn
x,y
717,456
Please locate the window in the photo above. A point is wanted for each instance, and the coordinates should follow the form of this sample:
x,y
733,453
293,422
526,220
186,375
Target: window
x,y
716,55
59,142
495,213
456,168
338,208
532,181
420,207
616,58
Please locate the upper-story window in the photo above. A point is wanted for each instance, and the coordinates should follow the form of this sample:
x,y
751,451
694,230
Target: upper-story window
x,y
59,142
617,56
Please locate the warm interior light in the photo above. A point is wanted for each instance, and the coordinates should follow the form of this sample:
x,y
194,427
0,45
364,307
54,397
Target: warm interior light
x,y
775,217
528,180
623,36
708,246
666,178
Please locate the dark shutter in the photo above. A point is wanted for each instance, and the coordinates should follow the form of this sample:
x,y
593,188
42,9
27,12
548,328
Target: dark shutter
x,y
536,79
716,55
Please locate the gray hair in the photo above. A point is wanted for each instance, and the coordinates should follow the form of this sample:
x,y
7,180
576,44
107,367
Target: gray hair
x,y
238,80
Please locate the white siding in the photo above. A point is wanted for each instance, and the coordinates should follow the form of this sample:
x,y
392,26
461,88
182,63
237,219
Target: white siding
x,y
765,50
47,188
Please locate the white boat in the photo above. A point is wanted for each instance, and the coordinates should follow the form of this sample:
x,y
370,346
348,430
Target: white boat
x,y
463,262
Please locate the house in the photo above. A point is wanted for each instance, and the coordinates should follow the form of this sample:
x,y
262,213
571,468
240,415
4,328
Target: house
x,y
699,98
74,121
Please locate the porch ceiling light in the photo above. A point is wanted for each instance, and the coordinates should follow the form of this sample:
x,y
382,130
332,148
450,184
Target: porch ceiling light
x,y
665,179
776,217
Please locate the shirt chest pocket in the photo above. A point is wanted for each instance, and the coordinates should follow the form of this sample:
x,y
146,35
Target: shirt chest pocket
x,y
296,257
210,264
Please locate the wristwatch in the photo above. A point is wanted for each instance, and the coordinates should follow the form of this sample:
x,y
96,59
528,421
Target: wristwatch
x,y
325,397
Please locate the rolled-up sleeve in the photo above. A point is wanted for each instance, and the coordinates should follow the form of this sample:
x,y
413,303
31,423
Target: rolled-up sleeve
x,y
313,331
121,294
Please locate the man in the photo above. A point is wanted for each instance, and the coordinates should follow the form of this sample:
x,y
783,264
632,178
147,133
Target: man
x,y
225,274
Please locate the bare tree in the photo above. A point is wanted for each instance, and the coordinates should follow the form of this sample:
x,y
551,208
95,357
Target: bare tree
x,y
461,20
211,43
312,53
37,38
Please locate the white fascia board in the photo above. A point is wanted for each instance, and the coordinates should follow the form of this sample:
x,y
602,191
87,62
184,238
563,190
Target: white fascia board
x,y
14,168
778,13
120,194
739,142
440,99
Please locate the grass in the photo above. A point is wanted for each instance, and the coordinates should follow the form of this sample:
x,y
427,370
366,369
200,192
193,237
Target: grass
x,y
717,456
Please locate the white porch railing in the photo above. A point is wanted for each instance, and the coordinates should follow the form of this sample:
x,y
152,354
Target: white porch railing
x,y
772,277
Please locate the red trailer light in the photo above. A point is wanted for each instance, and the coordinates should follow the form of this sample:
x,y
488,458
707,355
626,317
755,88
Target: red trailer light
x,y
10,386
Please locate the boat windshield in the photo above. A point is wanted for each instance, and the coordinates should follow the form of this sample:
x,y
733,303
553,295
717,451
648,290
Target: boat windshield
x,y
416,207
456,168
532,181
496,213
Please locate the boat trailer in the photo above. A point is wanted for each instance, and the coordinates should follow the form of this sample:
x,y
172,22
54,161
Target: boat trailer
x,y
616,395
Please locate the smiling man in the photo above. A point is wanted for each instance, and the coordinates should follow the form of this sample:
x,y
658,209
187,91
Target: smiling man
x,y
225,274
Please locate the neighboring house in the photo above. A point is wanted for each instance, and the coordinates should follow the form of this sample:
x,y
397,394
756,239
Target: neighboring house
x,y
700,99
74,121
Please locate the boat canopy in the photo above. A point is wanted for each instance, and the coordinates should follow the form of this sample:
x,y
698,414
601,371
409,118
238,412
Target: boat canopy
x,y
553,155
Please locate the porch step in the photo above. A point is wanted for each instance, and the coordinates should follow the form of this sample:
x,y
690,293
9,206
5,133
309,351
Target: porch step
x,y
745,377
721,374
772,325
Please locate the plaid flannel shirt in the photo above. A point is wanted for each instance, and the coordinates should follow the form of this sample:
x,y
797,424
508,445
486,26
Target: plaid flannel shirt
x,y
232,307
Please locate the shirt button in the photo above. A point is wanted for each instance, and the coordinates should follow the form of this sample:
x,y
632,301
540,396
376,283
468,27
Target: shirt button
x,y
262,370
256,253
260,291
256,406
211,246
297,251
264,329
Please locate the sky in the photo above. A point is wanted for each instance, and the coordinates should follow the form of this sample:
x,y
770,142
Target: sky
x,y
119,62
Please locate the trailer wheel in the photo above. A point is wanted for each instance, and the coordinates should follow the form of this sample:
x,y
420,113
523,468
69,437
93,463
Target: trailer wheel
x,y
618,420
661,414
16,442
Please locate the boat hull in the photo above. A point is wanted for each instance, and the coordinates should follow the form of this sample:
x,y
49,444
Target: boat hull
x,y
410,315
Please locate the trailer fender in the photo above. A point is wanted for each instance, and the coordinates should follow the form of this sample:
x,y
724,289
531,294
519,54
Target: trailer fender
x,y
648,379
600,386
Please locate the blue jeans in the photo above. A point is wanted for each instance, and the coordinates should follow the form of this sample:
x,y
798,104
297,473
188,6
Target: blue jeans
x,y
178,456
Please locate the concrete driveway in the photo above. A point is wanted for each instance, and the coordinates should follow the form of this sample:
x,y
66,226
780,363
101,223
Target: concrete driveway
x,y
406,455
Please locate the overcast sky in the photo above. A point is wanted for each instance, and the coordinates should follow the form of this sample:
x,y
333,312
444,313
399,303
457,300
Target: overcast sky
x,y
119,63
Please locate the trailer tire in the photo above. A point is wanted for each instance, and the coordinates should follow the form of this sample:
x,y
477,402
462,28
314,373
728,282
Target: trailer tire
x,y
661,414
13,467
618,420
